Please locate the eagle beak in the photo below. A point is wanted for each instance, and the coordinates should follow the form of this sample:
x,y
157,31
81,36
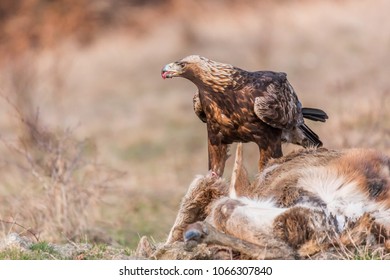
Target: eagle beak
x,y
170,70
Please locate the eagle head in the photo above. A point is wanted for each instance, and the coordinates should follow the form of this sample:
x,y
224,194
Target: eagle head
x,y
203,72
184,67
174,69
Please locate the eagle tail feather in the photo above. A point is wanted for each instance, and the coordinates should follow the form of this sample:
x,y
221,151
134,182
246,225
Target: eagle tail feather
x,y
311,136
314,114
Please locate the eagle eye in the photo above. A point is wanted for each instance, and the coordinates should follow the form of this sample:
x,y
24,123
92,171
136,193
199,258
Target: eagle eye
x,y
181,63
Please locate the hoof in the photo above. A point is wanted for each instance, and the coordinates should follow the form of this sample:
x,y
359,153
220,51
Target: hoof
x,y
193,232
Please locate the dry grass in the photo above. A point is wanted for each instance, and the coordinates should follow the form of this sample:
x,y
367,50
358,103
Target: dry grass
x,y
122,115
59,188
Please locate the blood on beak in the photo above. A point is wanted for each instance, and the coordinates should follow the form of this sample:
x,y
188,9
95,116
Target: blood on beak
x,y
169,71
165,71
164,74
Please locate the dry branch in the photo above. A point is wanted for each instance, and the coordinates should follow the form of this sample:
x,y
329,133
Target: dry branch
x,y
19,225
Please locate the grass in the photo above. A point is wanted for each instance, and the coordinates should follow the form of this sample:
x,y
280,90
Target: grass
x,y
363,253
37,251
15,254
63,185
42,247
45,251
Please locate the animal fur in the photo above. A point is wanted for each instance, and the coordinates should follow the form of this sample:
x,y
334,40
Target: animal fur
x,y
309,200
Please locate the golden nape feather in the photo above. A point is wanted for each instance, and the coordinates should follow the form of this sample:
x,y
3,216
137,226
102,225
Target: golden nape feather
x,y
242,106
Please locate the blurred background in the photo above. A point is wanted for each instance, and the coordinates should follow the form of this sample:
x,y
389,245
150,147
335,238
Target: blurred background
x,y
95,146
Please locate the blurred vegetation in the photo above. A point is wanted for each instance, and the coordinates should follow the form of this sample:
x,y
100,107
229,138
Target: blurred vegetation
x,y
80,83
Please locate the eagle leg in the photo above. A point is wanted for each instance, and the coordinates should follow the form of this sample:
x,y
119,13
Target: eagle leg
x,y
272,151
264,157
218,154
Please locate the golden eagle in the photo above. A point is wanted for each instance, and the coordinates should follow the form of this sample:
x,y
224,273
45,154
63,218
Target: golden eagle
x,y
242,106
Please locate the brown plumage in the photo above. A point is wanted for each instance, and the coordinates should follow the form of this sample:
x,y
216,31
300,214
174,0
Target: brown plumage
x,y
242,106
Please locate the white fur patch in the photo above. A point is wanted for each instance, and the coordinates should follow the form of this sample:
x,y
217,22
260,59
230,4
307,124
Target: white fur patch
x,y
340,196
259,203
343,198
259,213
232,193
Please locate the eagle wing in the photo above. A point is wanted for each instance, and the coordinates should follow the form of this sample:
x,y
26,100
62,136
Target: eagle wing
x,y
198,107
279,106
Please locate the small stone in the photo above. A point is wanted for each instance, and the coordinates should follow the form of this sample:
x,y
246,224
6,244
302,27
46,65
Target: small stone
x,y
15,240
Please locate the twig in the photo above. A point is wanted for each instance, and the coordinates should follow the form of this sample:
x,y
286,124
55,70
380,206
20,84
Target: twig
x,y
26,229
